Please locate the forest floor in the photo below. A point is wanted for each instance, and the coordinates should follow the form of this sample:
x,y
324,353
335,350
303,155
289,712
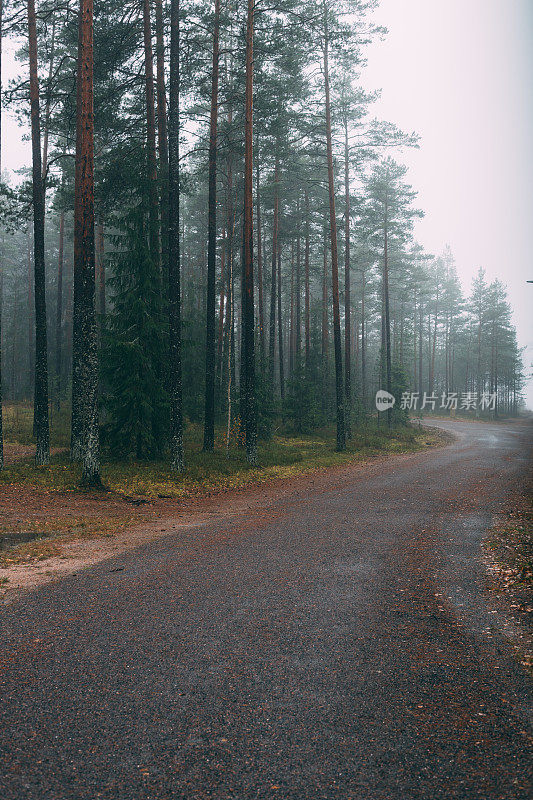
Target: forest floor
x,y
49,527
508,557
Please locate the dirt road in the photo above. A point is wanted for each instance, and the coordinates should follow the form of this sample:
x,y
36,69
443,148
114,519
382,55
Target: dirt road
x,y
334,644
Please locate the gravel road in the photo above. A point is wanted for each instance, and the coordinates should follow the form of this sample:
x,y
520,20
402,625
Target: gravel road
x,y
335,644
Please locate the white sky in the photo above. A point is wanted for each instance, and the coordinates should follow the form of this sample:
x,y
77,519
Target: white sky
x,y
459,73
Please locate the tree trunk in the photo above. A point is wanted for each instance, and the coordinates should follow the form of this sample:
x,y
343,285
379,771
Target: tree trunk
x,y
174,305
363,339
388,364
272,319
31,325
59,310
347,299
84,251
281,355
433,347
48,103
325,321
292,328
101,268
298,294
222,301
260,271
248,361
162,132
307,287
339,388
41,422
210,344
420,351
1,255
153,210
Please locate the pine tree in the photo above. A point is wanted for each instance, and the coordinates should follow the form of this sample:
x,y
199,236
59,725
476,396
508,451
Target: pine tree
x,y
41,422
174,267
136,406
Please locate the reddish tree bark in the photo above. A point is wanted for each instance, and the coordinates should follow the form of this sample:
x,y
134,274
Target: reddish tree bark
x,y
174,305
41,421
59,310
248,360
48,103
260,270
1,271
347,287
339,388
153,210
162,130
210,344
272,319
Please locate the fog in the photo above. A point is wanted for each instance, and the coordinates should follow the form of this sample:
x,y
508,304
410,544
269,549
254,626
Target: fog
x,y
459,73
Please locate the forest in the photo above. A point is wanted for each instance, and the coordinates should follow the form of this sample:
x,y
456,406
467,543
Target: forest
x,y
216,230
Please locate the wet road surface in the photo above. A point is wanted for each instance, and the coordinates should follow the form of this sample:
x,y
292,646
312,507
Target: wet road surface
x,y
333,645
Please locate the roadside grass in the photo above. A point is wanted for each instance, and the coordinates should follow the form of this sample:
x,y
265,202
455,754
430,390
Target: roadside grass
x,y
132,485
281,457
511,546
18,424
42,539
509,558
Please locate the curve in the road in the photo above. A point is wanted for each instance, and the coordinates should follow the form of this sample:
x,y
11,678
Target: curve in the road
x,y
333,645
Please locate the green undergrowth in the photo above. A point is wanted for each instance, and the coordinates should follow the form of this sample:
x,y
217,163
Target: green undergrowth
x,y
205,473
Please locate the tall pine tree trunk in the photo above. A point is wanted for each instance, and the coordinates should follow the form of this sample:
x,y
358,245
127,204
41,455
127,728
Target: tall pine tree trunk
x,y
281,355
260,271
1,255
307,287
84,250
59,310
339,388
347,298
210,344
298,293
153,208
363,339
101,268
48,103
162,132
221,306
248,361
386,308
174,305
272,319
41,422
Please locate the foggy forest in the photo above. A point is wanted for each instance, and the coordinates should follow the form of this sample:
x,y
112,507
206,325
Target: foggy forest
x,y
213,293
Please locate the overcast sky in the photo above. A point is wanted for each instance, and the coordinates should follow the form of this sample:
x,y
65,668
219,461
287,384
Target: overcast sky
x,y
459,73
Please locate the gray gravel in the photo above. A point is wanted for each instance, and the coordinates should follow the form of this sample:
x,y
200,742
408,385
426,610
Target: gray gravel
x,y
335,645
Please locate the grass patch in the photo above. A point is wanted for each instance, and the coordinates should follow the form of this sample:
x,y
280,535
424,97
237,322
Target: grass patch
x,y
57,518
511,546
509,559
18,424
52,532
205,473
